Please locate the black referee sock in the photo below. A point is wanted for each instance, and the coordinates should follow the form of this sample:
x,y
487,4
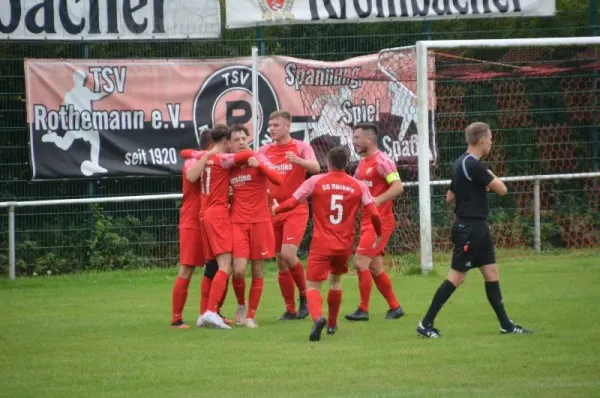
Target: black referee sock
x,y
492,289
439,299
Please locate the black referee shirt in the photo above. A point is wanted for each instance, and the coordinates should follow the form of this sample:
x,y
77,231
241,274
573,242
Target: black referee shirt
x,y
469,181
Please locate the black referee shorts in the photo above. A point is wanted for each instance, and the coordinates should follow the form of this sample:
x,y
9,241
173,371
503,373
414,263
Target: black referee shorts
x,y
473,245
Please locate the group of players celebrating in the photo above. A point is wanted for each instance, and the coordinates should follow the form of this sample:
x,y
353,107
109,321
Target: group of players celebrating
x,y
268,214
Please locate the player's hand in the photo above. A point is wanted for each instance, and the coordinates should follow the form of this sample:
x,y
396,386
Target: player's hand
x,y
377,241
377,201
253,162
292,158
274,207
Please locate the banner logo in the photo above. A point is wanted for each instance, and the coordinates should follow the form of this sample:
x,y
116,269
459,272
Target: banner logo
x,y
226,98
276,10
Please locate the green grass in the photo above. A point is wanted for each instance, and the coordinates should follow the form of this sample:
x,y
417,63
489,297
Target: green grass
x,y
107,334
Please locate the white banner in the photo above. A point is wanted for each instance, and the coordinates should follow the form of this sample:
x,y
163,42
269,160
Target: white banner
x,y
106,20
244,13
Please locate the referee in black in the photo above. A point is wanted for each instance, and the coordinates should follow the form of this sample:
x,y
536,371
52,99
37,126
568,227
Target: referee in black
x,y
471,237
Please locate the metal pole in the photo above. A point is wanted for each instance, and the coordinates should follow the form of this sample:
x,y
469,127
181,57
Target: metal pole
x,y
427,30
593,25
260,39
423,158
255,104
12,240
90,185
537,240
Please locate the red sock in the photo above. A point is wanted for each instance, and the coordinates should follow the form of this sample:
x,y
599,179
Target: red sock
x,y
334,300
314,301
286,284
365,284
217,290
204,293
239,287
298,275
179,296
256,289
222,300
384,285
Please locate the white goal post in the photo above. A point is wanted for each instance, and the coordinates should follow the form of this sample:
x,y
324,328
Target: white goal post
x,y
422,48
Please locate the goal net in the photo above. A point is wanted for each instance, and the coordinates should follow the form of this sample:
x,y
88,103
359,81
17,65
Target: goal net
x,y
542,105
383,92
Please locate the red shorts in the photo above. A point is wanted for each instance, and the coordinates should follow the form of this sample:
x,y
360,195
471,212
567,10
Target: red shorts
x,y
289,228
216,237
367,239
191,252
319,266
253,241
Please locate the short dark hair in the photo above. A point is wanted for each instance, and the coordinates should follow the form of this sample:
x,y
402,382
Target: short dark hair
x,y
206,140
283,114
370,128
220,132
475,132
338,157
238,127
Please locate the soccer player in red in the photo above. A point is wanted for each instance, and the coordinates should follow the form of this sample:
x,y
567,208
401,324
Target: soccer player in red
x,y
210,266
292,159
336,199
380,174
252,230
214,168
191,254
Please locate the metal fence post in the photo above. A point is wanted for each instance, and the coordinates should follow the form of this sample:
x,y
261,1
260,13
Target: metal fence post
x,y
12,240
593,26
537,240
260,40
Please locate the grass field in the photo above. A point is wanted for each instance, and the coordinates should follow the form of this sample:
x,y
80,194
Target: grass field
x,y
107,334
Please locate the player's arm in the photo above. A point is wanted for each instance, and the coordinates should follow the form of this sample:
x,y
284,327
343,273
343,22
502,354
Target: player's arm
x,y
303,192
266,168
387,169
196,171
228,160
312,166
191,153
395,188
307,159
478,173
370,207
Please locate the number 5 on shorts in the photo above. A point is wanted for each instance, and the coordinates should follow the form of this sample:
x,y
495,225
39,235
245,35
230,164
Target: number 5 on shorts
x,y
337,207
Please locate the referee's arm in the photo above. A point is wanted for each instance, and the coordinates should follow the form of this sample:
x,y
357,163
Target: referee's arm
x,y
480,174
496,185
450,195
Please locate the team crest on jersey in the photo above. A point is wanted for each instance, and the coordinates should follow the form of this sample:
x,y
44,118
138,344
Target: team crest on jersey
x,y
226,98
276,10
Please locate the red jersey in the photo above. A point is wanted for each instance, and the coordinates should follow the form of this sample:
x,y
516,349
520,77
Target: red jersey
x,y
293,175
215,186
250,199
336,199
378,171
190,205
